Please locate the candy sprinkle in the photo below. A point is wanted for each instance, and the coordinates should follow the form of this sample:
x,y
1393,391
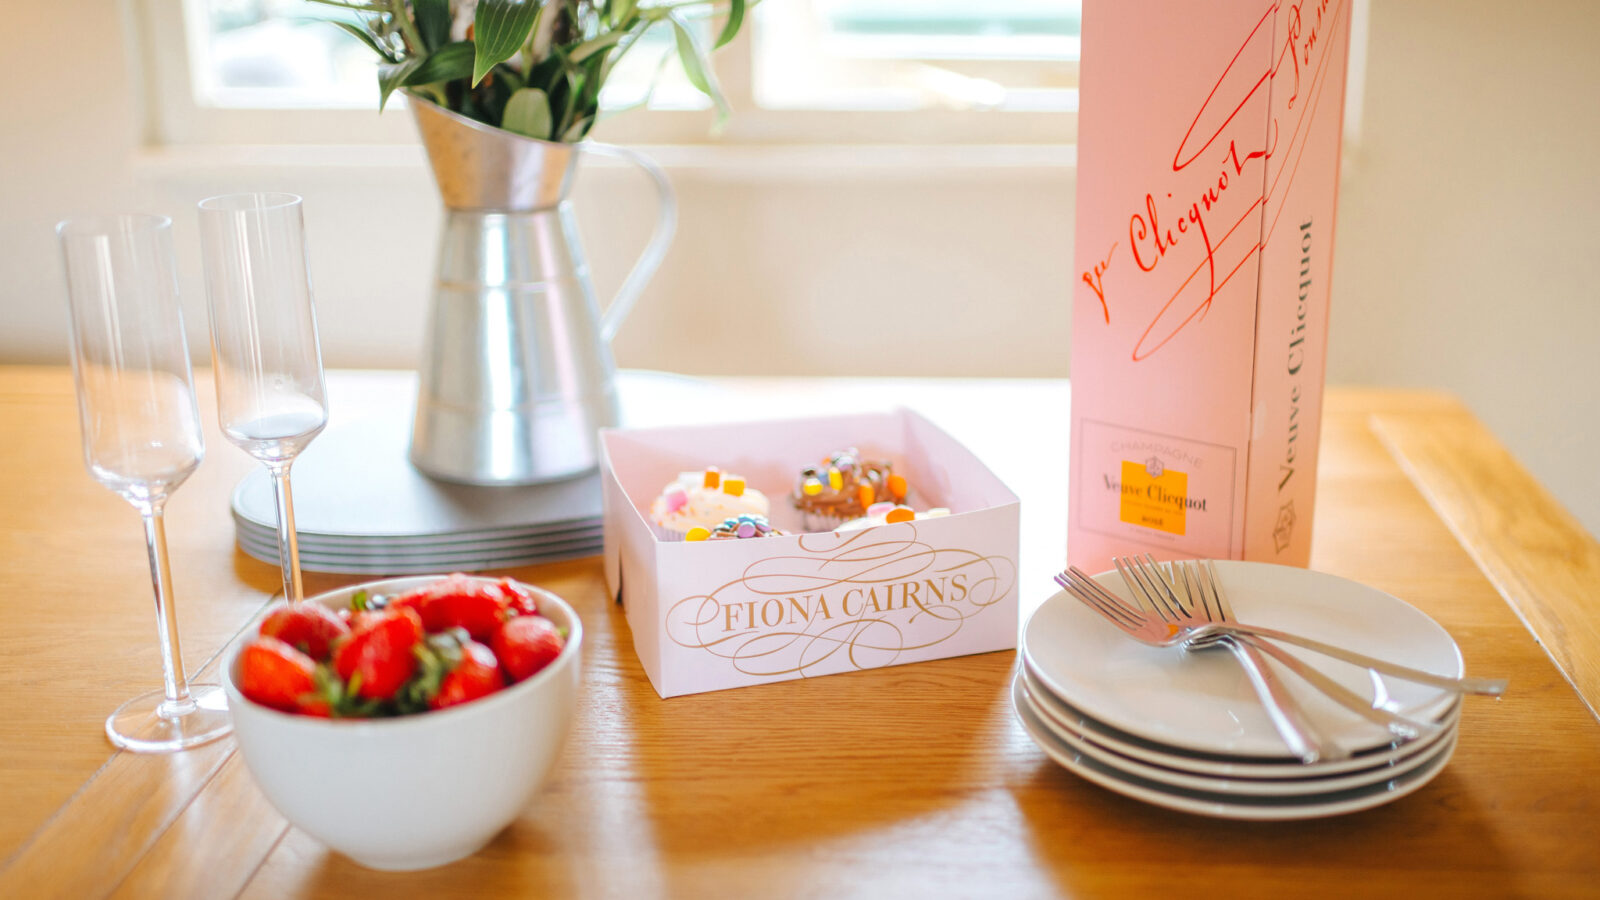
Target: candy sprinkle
x,y
897,487
746,530
835,478
900,514
811,487
733,485
865,494
713,477
677,499
698,533
879,509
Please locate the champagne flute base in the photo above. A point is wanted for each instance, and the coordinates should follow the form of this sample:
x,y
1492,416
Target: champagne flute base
x,y
149,723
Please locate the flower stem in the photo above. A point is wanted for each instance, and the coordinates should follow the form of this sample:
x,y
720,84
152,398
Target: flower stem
x,y
408,28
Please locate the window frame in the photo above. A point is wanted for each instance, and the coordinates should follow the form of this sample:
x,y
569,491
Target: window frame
x,y
175,118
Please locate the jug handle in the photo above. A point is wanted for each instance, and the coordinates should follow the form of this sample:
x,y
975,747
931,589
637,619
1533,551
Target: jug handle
x,y
660,239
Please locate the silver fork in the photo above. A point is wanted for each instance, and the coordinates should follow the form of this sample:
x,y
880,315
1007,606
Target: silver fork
x,y
1198,630
1303,738
1213,606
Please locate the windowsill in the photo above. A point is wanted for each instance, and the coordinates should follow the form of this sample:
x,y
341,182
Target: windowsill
x,y
710,163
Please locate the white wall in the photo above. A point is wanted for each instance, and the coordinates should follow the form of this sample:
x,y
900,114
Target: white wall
x,y
1468,245
1466,254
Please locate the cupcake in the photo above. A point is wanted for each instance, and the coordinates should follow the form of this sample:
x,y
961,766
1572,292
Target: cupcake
x,y
889,514
735,529
843,487
704,500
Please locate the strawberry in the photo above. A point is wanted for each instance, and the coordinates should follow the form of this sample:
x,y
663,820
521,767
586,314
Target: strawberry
x,y
518,599
476,675
458,602
376,659
525,645
275,674
310,627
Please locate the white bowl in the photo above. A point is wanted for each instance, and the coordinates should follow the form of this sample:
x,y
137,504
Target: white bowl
x,y
418,791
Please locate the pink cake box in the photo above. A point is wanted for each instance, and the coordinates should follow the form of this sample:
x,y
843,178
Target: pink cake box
x,y
722,614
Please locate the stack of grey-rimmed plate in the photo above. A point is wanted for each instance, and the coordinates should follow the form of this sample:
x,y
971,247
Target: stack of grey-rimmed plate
x,y
1184,729
361,507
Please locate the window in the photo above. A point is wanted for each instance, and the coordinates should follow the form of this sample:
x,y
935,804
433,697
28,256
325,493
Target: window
x,y
804,72
899,55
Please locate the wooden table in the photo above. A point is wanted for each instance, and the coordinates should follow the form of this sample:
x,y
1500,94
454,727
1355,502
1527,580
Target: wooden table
x,y
909,781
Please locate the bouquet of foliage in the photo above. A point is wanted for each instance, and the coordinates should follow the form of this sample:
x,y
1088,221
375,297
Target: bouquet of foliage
x,y
534,67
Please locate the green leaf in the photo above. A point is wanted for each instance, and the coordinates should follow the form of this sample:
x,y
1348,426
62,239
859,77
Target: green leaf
x,y
499,29
451,62
622,12
589,48
391,76
577,131
528,113
731,27
511,78
697,67
433,21
366,38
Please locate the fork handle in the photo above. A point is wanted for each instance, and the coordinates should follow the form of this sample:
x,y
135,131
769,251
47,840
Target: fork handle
x,y
1493,687
1303,738
1402,726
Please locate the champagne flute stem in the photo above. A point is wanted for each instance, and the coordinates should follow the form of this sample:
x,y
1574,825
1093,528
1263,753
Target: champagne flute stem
x,y
155,536
288,541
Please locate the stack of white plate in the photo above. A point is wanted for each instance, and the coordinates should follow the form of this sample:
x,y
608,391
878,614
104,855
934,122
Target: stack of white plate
x,y
361,507
1184,730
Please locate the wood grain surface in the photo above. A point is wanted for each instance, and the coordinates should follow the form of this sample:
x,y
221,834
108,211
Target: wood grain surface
x,y
908,781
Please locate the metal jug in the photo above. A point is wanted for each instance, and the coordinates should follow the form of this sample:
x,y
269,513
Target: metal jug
x,y
517,377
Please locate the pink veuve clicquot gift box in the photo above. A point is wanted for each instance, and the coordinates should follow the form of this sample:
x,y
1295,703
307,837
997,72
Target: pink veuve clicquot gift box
x,y
1208,166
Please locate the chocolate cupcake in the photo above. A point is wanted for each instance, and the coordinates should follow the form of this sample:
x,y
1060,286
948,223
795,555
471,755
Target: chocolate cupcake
x,y
843,487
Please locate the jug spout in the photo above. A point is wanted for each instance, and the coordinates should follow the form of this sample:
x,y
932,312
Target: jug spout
x,y
481,167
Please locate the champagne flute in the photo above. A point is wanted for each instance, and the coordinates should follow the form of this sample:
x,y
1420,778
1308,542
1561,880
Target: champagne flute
x,y
141,434
270,394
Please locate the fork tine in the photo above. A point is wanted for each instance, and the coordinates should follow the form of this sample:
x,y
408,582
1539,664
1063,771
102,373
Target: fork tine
x,y
1224,608
1192,576
1143,582
1080,588
1088,583
1142,592
1168,584
1117,616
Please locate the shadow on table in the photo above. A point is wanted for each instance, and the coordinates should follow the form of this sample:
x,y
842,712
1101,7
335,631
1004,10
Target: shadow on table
x,y
1097,843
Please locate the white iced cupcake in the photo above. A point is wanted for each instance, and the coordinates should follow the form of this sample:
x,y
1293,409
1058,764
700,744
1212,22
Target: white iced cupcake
x,y
704,500
889,514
